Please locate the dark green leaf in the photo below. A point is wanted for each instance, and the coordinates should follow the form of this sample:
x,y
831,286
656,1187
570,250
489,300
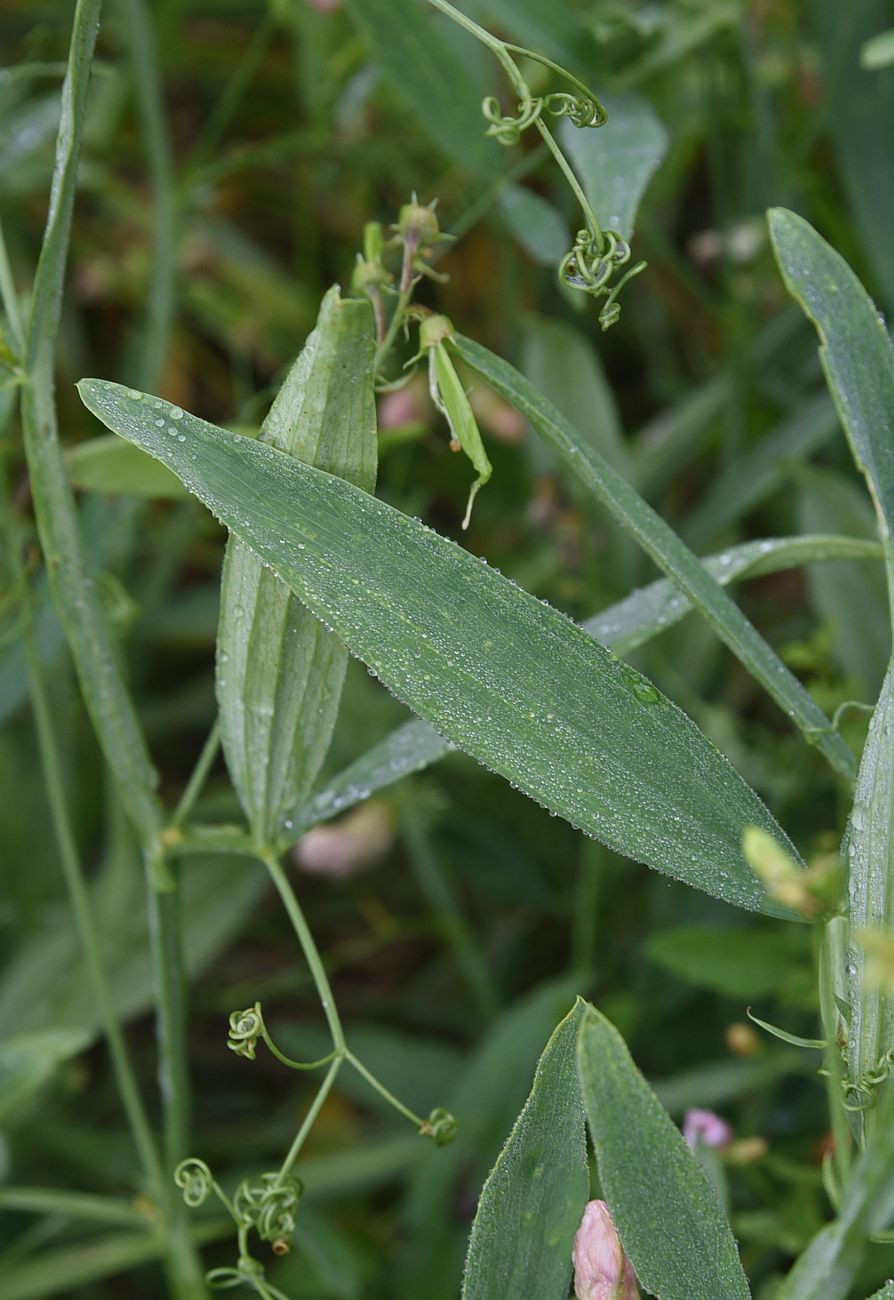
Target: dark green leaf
x,y
502,675
534,1197
668,1214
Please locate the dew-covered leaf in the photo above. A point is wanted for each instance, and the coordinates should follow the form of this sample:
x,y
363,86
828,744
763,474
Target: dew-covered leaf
x,y
279,671
532,1203
668,1214
504,676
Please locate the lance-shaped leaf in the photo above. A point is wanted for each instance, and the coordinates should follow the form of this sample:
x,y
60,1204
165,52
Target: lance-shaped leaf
x,y
829,1265
668,1214
630,622
855,350
508,679
869,852
279,671
665,547
532,1203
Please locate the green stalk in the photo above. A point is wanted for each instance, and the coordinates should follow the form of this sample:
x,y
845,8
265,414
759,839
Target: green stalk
x,y
155,336
105,694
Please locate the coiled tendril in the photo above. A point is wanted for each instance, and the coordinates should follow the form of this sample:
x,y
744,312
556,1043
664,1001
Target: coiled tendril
x,y
269,1207
195,1181
581,110
860,1093
507,130
590,264
246,1027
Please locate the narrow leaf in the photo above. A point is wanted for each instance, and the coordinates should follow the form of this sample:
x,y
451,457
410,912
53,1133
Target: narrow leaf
x,y
279,672
409,748
535,223
855,350
668,551
532,1202
827,1268
616,164
108,465
505,677
631,622
868,850
668,1214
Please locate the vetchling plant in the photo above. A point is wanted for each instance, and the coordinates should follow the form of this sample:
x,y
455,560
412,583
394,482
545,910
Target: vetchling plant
x,y
317,568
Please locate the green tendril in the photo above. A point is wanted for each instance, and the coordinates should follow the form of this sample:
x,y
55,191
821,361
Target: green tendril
x,y
269,1207
440,1126
246,1027
195,1181
507,130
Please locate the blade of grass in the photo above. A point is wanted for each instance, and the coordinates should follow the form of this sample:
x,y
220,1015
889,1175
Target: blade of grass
x,y
668,551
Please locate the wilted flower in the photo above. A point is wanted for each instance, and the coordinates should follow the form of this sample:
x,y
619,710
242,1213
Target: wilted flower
x,y
704,1128
601,1269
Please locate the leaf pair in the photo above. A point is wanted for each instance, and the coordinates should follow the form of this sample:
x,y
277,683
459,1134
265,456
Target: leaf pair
x,y
668,1214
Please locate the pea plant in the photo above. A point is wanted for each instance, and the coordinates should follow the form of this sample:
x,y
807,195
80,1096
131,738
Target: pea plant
x,y
595,1187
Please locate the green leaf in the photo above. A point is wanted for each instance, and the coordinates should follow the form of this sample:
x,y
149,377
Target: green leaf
x,y
631,622
668,551
409,748
855,350
111,466
794,1040
533,1200
489,1094
506,678
279,672
27,1061
878,51
827,1268
886,1292
740,963
535,223
616,162
668,1214
433,83
646,612
850,600
868,850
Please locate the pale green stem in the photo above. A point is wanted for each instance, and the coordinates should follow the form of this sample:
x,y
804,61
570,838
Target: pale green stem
x,y
311,1116
199,776
832,981
74,1205
161,292
310,950
383,1091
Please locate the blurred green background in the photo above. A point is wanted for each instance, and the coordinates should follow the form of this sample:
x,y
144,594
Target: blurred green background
x,y
233,153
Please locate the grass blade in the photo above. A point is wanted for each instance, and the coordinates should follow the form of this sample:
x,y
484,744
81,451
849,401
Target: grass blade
x,y
855,351
668,551
668,1214
279,672
827,1268
869,852
532,1203
505,677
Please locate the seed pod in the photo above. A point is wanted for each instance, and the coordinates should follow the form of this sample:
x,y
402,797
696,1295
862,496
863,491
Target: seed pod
x,y
279,671
450,398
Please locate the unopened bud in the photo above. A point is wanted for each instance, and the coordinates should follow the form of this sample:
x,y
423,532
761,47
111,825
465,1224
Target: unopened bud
x,y
602,1271
418,225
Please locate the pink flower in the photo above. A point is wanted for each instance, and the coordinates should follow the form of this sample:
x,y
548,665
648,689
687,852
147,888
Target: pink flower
x,y
601,1269
704,1128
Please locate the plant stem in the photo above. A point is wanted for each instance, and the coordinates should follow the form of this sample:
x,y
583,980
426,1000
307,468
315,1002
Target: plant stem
x,y
199,776
152,344
383,1091
311,1116
310,950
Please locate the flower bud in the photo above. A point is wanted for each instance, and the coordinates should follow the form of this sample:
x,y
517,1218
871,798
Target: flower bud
x,y
418,225
602,1271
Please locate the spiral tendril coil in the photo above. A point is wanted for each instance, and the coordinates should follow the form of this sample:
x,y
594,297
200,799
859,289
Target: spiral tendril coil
x,y
195,1181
